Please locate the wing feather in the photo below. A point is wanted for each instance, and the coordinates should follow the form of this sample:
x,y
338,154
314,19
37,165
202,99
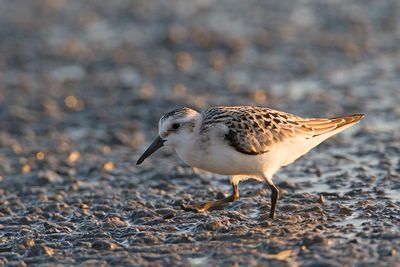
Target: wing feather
x,y
254,131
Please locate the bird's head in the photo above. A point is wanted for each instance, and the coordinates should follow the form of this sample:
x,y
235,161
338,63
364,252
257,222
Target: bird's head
x,y
174,129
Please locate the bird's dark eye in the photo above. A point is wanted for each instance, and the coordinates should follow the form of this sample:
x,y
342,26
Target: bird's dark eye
x,y
175,126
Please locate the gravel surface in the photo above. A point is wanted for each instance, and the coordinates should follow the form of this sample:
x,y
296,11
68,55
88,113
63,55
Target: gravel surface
x,y
83,83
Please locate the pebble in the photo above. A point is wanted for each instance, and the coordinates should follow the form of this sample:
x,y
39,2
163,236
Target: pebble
x,y
104,245
345,210
290,207
141,214
28,242
310,240
169,215
116,221
165,211
212,226
39,250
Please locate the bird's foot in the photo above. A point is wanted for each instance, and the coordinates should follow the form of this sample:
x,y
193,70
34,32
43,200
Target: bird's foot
x,y
198,208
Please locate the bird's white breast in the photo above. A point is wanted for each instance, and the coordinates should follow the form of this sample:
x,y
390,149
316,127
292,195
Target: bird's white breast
x,y
215,155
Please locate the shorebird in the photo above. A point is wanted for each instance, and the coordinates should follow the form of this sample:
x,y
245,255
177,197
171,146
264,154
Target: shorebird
x,y
242,142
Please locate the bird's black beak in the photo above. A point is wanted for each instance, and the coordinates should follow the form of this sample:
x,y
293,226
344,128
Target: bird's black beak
x,y
151,149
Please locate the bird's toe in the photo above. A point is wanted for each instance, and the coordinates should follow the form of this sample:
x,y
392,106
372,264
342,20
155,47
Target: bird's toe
x,y
191,208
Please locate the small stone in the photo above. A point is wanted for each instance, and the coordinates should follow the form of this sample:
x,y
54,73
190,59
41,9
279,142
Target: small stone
x,y
26,219
212,226
345,211
39,250
290,207
5,210
83,206
263,217
162,210
165,211
303,248
74,186
141,213
265,224
104,245
116,221
312,208
169,215
28,242
315,239
184,238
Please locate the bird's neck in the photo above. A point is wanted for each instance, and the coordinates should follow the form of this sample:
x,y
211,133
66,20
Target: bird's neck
x,y
187,146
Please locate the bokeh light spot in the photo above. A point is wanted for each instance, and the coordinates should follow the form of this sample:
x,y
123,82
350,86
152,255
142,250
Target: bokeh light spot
x,y
26,168
184,61
108,166
40,155
74,156
72,102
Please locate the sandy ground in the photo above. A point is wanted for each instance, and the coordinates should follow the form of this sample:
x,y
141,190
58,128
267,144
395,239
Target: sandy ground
x,y
83,83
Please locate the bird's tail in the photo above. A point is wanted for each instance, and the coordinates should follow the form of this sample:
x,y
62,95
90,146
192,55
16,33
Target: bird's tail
x,y
333,125
321,129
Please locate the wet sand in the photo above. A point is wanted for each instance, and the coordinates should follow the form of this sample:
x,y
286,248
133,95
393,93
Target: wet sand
x,y
82,85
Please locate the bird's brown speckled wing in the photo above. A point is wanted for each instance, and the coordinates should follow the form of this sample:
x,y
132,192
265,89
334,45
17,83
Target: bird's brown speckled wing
x,y
254,131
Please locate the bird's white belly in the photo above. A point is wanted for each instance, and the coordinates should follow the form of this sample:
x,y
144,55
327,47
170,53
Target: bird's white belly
x,y
224,160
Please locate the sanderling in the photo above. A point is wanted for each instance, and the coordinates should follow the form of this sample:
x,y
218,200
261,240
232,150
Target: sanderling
x,y
242,142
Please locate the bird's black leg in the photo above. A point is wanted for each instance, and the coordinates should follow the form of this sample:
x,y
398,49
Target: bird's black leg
x,y
274,198
215,203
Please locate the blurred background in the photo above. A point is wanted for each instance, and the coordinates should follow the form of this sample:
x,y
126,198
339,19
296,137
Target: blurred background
x,y
75,73
83,84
